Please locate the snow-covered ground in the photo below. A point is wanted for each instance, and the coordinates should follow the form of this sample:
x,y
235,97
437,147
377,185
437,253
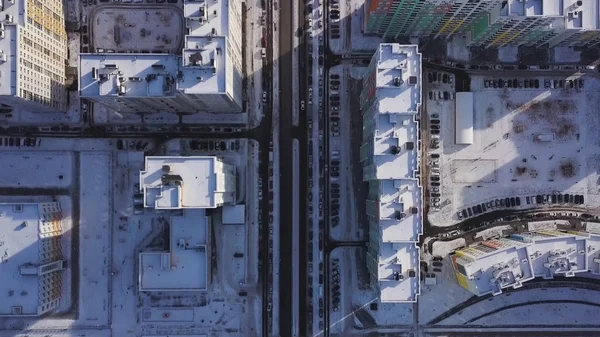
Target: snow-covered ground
x,y
505,158
348,228
532,307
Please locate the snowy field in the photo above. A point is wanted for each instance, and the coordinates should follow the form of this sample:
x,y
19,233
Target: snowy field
x,y
508,159
36,169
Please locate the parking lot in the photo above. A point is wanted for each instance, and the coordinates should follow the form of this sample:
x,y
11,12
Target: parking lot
x,y
532,136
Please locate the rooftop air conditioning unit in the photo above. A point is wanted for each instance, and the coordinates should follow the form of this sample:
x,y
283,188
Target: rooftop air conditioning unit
x,y
2,35
8,18
2,56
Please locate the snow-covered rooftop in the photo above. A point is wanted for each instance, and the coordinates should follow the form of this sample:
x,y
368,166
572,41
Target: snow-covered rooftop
x,y
397,201
495,264
19,246
184,266
186,182
398,80
395,146
399,272
199,69
29,248
393,102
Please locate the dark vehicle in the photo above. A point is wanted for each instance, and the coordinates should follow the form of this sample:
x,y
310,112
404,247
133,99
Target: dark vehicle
x,y
483,207
429,77
434,121
334,98
469,211
437,258
435,155
566,197
320,60
464,213
513,202
479,209
430,95
518,200
560,198
538,199
435,183
435,178
497,203
502,204
577,199
507,202
445,78
515,83
553,198
474,208
536,83
437,264
581,199
435,76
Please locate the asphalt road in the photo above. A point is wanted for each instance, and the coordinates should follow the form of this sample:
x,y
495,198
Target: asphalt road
x,y
286,167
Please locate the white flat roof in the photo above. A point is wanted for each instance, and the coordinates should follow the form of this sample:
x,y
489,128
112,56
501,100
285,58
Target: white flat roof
x,y
198,187
18,246
400,196
400,131
185,265
402,62
153,75
401,258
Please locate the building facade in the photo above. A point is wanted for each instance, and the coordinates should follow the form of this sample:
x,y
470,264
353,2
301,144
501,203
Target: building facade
x,y
33,52
536,23
205,77
389,154
32,261
492,265
422,18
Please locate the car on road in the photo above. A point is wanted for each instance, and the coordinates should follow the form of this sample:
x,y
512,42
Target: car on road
x,y
302,105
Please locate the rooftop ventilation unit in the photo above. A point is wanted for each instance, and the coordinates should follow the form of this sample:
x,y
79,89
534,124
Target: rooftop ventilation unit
x,y
398,81
111,66
8,18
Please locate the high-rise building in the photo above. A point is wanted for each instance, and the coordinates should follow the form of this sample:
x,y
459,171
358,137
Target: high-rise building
x,y
389,154
422,18
205,76
33,52
31,262
537,22
492,265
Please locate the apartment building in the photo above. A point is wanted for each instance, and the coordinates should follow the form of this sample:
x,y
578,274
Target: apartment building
x,y
31,263
423,18
206,76
389,154
33,52
537,22
492,265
